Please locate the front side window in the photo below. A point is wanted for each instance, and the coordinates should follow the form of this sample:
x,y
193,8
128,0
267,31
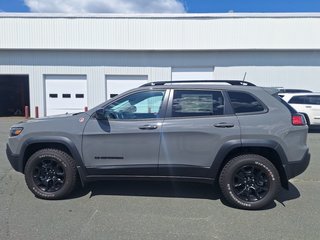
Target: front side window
x,y
189,103
142,105
244,103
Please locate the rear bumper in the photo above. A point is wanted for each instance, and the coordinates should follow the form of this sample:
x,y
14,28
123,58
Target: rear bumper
x,y
15,160
293,169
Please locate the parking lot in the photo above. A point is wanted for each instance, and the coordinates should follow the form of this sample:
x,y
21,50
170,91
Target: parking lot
x,y
154,210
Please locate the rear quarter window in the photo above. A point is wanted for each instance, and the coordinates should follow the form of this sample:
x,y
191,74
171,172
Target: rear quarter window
x,y
245,103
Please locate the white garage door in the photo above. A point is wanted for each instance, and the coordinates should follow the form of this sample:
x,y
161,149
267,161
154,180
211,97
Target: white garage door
x,y
65,94
200,73
117,84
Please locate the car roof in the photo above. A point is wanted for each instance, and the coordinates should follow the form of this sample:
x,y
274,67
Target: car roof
x,y
293,90
299,94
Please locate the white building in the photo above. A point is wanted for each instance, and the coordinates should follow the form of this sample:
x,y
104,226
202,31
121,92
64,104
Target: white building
x,y
64,63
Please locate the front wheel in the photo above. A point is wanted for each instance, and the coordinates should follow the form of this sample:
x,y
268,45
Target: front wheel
x,y
249,181
50,174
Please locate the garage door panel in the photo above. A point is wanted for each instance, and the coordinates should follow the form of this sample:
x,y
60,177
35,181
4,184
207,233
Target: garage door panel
x,y
117,84
65,94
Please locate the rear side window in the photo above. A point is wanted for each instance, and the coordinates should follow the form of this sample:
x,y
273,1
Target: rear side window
x,y
245,103
188,103
298,100
305,99
314,99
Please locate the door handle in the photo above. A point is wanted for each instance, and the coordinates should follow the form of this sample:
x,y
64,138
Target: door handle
x,y
224,125
148,127
308,107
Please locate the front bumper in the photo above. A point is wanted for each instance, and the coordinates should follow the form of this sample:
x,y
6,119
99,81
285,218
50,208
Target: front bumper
x,y
293,169
15,160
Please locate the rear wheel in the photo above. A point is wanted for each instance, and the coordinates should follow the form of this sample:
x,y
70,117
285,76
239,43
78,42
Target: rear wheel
x,y
307,118
50,174
249,181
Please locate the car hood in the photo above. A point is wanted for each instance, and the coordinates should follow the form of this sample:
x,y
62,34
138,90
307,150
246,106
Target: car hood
x,y
53,117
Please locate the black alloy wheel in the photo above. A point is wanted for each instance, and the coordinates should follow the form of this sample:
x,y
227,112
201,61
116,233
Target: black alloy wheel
x,y
249,181
50,174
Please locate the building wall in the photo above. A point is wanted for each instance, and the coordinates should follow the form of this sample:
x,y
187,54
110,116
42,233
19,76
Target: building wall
x,y
291,69
273,49
160,32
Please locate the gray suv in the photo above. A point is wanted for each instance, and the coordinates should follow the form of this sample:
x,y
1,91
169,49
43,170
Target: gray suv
x,y
244,137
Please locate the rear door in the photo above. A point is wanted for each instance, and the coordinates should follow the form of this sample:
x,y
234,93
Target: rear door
x,y
198,123
313,104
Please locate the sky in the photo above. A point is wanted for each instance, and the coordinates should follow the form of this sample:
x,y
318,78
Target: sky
x,y
158,6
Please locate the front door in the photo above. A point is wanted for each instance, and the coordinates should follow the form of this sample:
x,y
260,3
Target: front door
x,y
128,140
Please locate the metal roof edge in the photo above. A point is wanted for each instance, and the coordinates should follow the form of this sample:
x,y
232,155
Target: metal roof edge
x,y
165,49
161,15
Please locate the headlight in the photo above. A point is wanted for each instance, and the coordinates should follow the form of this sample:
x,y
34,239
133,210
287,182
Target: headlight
x,y
15,131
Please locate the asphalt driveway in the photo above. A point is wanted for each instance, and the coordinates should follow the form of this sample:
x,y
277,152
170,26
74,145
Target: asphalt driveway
x,y
155,210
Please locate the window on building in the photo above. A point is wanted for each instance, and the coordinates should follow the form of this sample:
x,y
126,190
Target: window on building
x,y
79,95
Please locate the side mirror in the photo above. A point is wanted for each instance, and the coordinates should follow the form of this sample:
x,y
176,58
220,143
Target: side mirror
x,y
100,114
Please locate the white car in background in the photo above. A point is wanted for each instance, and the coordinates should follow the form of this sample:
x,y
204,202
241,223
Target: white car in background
x,y
306,103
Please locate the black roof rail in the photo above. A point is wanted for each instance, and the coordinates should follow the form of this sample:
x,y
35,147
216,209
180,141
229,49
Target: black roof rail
x,y
231,82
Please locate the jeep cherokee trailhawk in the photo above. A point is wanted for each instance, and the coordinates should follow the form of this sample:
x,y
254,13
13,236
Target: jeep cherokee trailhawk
x,y
244,137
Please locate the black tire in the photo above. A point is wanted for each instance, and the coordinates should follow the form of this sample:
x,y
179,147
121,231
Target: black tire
x,y
307,118
249,182
50,174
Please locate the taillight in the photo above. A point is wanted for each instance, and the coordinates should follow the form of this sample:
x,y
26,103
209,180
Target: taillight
x,y
298,120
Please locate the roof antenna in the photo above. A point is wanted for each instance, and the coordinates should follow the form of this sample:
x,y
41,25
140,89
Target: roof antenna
x,y
244,78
